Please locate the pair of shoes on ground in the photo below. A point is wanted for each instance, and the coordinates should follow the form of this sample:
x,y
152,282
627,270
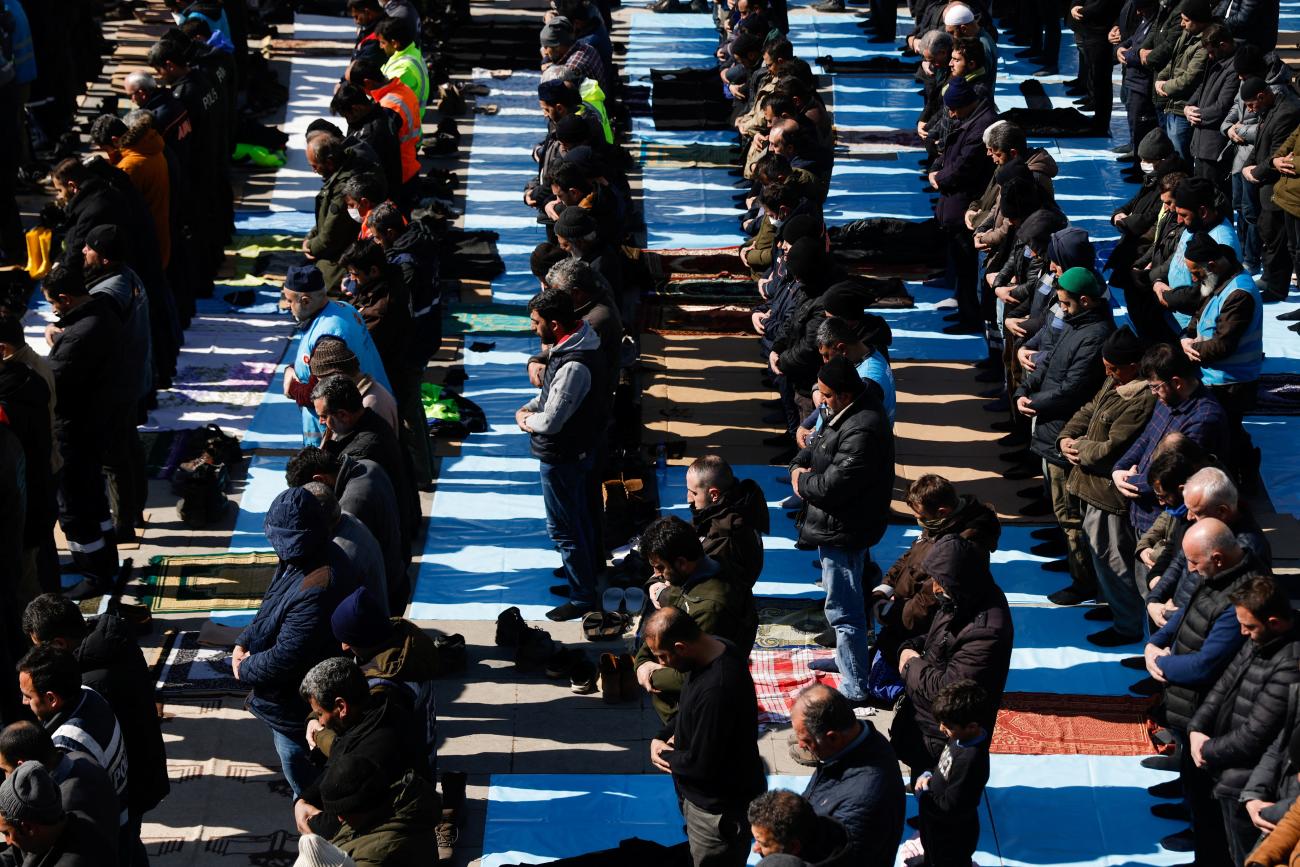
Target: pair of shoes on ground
x,y
617,678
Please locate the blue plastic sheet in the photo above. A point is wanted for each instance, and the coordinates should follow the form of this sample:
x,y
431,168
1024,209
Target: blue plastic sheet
x,y
1052,654
263,484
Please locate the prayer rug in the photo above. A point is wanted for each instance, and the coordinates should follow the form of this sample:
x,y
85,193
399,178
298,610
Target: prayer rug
x,y
789,624
190,670
1039,724
780,675
190,583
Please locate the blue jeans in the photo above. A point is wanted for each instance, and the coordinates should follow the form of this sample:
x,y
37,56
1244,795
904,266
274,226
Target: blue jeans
x,y
1179,132
569,523
846,611
295,761
1245,201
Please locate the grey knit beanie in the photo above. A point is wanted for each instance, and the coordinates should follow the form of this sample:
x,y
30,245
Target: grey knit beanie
x,y
29,794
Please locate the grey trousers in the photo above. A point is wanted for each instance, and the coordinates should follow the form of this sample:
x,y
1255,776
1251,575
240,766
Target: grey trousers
x,y
1111,543
716,839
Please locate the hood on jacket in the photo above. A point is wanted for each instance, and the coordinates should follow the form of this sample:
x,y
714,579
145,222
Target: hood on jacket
x,y
1070,248
106,644
1037,229
960,568
744,504
585,338
150,144
972,520
874,331
1040,162
295,524
417,239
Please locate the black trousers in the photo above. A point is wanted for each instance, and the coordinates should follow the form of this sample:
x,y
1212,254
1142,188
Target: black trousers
x,y
1211,840
1141,111
884,19
1278,257
963,273
1146,312
1099,59
83,511
1242,833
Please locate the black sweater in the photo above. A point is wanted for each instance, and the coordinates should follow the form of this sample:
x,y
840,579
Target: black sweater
x,y
714,758
950,824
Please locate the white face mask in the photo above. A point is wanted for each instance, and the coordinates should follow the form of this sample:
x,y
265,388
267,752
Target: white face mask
x,y
354,214
1148,167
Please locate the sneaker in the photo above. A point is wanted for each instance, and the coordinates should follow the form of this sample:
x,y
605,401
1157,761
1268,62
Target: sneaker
x,y
582,676
511,627
568,611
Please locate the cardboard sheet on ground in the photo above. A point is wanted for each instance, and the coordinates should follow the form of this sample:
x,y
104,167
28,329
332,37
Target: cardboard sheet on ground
x,y
536,818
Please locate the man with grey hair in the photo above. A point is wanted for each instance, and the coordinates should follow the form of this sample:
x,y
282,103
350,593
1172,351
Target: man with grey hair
x,y
171,118
857,781
39,831
357,542
335,228
1208,493
593,301
349,721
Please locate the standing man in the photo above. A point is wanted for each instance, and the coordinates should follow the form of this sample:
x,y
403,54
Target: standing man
x,y
710,747
1279,115
857,782
1092,22
846,480
564,421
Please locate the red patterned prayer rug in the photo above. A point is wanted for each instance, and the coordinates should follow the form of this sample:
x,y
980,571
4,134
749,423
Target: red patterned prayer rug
x,y
1037,724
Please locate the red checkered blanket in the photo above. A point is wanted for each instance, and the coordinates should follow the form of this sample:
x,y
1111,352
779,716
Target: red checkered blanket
x,y
779,676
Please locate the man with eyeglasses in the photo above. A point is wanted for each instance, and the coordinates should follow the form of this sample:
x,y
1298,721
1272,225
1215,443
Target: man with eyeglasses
x,y
1184,405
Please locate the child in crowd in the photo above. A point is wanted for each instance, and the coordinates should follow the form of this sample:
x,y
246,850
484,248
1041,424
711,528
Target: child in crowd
x,y
949,795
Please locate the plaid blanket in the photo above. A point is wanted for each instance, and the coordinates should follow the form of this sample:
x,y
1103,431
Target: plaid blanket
x,y
780,675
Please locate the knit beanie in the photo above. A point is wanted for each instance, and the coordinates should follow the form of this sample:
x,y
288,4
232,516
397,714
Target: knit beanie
x,y
331,355
316,851
959,93
843,300
352,784
840,376
1012,170
572,130
1036,230
1155,146
1080,281
558,32
359,621
1122,347
1193,193
575,222
1018,198
30,794
1200,11
806,259
107,241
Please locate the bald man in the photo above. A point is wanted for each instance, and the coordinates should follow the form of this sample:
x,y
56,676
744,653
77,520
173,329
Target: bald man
x,y
711,746
1191,651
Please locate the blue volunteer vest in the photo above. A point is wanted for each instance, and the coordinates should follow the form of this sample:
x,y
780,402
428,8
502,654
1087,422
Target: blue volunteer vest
x,y
1244,364
1224,233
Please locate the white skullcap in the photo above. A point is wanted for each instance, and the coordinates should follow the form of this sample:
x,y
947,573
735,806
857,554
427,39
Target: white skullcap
x,y
958,14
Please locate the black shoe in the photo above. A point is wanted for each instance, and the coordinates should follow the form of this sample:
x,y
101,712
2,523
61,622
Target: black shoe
x,y
1054,548
1099,614
1048,534
511,627
1075,89
1036,509
1183,841
1032,492
1135,663
1295,328
1169,790
1017,437
999,405
1176,812
1123,150
1071,595
995,391
1293,316
559,589
1166,762
569,611
1111,637
1018,456
825,638
1060,567
1147,686
964,328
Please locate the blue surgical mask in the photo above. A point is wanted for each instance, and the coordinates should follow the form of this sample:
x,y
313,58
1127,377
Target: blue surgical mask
x,y
1180,512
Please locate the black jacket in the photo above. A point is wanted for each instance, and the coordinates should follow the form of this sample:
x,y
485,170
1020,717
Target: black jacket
x,y
1245,710
796,345
1208,601
379,129
863,791
1274,129
732,530
970,637
1214,96
85,358
964,170
112,665
1274,777
25,397
850,485
384,736
1067,378
1254,22
374,440
365,490
415,254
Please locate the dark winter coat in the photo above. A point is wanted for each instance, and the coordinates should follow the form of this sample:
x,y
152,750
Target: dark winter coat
x,y
863,791
1060,384
965,167
291,632
384,736
732,530
848,491
24,396
914,601
364,490
380,129
85,358
970,637
386,308
373,440
1274,778
1245,710
403,670
796,347
335,229
1254,22
415,253
1214,96
1103,429
112,665
1274,129
405,837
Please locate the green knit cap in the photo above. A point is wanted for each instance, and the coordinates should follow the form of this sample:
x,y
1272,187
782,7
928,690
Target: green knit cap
x,y
1079,281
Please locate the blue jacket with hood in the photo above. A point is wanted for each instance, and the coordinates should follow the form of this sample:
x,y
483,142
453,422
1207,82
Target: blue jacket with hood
x,y
291,632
